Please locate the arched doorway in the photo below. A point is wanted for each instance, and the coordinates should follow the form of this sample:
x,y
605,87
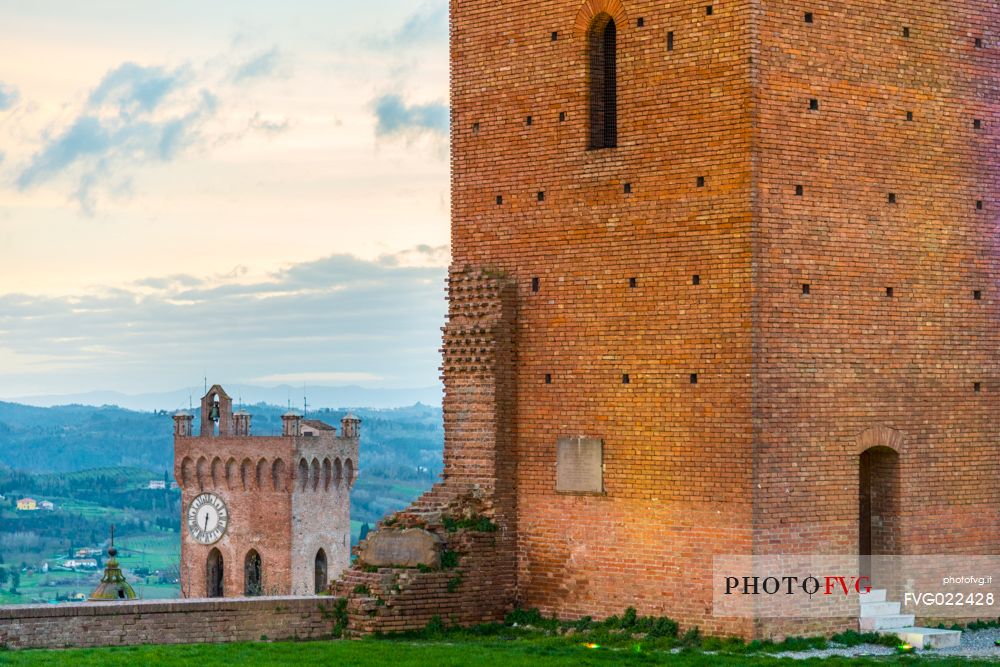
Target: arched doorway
x,y
214,575
321,576
878,505
253,576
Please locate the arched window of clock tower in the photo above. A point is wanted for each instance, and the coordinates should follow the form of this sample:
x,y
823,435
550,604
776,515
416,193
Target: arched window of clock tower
x,y
315,474
303,474
214,575
321,576
278,475
261,473
253,574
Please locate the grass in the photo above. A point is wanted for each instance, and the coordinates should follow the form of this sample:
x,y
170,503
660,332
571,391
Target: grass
x,y
84,508
154,551
525,638
404,653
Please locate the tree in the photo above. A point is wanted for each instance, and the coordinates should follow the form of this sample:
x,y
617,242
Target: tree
x,y
364,531
15,581
3,576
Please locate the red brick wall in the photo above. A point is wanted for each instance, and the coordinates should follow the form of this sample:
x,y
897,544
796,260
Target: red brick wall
x,y
677,455
847,358
165,622
260,516
788,384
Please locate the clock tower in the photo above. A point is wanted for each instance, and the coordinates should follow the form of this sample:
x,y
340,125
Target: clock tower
x,y
262,515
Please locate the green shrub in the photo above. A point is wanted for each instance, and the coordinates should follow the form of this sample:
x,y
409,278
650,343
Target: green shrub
x,y
338,615
476,523
362,589
854,638
435,627
449,559
664,627
692,637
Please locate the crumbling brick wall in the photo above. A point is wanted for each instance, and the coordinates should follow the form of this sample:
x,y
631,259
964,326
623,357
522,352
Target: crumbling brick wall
x,y
473,511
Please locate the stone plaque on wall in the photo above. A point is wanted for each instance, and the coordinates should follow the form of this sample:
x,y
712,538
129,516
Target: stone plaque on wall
x,y
579,465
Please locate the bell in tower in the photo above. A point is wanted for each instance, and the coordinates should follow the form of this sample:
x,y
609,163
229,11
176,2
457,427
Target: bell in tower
x,y
216,408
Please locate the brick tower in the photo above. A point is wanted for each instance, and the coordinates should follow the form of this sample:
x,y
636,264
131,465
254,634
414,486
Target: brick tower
x,y
262,515
749,255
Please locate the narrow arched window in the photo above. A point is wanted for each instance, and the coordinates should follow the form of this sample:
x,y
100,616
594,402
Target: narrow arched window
x,y
246,474
278,475
261,473
252,574
303,474
320,572
214,575
603,82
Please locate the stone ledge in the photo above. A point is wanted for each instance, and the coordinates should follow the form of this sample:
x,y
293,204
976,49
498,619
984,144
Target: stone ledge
x,y
71,609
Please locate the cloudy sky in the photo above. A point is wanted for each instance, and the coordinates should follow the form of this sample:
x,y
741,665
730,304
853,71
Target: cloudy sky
x,y
254,190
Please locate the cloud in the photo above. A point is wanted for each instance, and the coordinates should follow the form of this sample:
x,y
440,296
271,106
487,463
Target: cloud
x,y
136,89
260,65
336,319
395,117
8,96
428,25
135,115
421,255
317,377
167,282
268,126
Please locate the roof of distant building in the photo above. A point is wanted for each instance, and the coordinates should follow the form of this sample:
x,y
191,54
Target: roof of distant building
x,y
318,425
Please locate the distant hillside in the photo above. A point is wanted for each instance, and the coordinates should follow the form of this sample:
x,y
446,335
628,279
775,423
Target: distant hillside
x,y
400,442
77,437
319,396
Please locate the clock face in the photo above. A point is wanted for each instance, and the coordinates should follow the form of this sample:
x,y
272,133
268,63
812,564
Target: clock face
x,y
207,518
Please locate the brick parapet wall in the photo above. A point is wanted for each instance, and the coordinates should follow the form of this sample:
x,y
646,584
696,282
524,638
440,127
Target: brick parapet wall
x,y
165,622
